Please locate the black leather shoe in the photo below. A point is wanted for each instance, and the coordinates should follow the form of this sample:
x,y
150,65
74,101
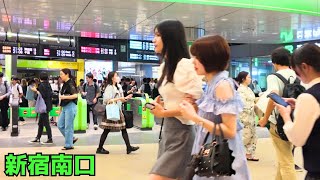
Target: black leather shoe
x,y
36,140
102,151
75,140
132,148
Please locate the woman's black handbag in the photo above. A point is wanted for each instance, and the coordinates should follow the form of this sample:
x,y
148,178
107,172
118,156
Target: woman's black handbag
x,y
99,109
214,159
128,116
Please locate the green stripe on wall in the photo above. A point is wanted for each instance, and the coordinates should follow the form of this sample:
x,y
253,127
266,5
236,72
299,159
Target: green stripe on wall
x,y
307,7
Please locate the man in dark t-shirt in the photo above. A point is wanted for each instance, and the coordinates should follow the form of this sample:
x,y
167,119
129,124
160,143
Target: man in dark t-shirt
x,y
91,92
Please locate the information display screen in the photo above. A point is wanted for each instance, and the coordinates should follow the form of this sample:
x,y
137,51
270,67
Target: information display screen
x,y
19,48
142,51
106,49
58,51
29,49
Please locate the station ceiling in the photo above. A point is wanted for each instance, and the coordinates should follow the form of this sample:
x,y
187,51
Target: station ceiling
x,y
127,19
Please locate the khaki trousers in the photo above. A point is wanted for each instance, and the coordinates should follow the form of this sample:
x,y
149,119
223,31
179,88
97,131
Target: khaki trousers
x,y
285,170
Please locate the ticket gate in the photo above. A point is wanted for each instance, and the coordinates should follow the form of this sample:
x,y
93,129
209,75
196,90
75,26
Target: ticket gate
x,y
80,121
143,119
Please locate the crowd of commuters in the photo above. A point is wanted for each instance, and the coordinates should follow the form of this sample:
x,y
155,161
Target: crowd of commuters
x,y
190,111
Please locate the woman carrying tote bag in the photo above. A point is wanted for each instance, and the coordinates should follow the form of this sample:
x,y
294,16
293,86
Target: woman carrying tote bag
x,y
114,94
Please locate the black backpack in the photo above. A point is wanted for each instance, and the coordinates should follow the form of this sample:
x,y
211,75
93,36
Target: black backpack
x,y
155,92
95,87
290,90
147,89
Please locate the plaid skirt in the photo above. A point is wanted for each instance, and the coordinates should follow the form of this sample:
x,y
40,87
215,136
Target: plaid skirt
x,y
113,125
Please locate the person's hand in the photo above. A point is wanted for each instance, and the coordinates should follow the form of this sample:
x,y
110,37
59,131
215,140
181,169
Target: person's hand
x,y
158,110
94,101
158,100
189,98
34,89
187,110
263,122
129,96
1,98
284,111
62,97
291,102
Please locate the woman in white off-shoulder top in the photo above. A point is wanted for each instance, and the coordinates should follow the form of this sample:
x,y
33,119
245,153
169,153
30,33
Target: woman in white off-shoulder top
x,y
178,81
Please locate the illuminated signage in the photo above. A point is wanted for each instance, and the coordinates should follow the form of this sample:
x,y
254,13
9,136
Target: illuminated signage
x,y
19,48
97,35
293,46
306,33
142,51
106,49
58,51
30,49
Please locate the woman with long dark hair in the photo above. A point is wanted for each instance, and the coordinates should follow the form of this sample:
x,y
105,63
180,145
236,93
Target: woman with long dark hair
x,y
114,94
304,130
68,97
178,80
247,116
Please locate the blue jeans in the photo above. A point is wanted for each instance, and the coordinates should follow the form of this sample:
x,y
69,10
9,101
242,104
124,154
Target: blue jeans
x,y
65,123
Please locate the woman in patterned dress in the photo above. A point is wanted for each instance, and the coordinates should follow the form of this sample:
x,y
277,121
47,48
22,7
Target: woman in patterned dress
x,y
247,116
114,93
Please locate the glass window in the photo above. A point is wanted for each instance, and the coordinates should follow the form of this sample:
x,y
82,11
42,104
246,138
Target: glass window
x,y
261,68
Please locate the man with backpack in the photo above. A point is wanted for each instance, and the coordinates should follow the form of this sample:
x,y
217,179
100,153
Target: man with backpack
x,y
5,92
91,92
284,83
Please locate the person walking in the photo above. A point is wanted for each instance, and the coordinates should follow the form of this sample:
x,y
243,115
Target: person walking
x,y
46,93
68,98
178,80
114,94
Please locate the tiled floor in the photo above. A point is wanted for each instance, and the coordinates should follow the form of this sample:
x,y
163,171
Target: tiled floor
x,y
118,165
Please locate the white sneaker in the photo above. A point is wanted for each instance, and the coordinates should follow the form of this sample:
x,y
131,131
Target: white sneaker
x,y
21,123
95,127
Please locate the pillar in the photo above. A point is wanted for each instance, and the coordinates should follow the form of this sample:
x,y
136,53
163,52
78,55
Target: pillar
x,y
115,65
10,66
81,71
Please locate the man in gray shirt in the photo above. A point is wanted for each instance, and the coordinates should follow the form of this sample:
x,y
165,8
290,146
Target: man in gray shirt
x,y
91,92
5,92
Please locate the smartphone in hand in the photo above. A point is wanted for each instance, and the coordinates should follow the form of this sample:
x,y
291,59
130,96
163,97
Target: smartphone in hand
x,y
278,99
149,106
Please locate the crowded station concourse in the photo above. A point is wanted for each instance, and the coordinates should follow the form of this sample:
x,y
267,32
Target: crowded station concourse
x,y
160,89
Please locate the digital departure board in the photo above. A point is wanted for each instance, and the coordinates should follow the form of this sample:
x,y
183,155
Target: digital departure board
x,y
142,51
19,48
58,51
29,49
104,49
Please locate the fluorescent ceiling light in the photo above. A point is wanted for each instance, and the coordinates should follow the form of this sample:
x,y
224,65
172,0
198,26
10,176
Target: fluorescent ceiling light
x,y
224,19
10,34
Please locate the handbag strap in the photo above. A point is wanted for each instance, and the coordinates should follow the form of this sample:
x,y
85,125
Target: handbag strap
x,y
214,133
160,137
